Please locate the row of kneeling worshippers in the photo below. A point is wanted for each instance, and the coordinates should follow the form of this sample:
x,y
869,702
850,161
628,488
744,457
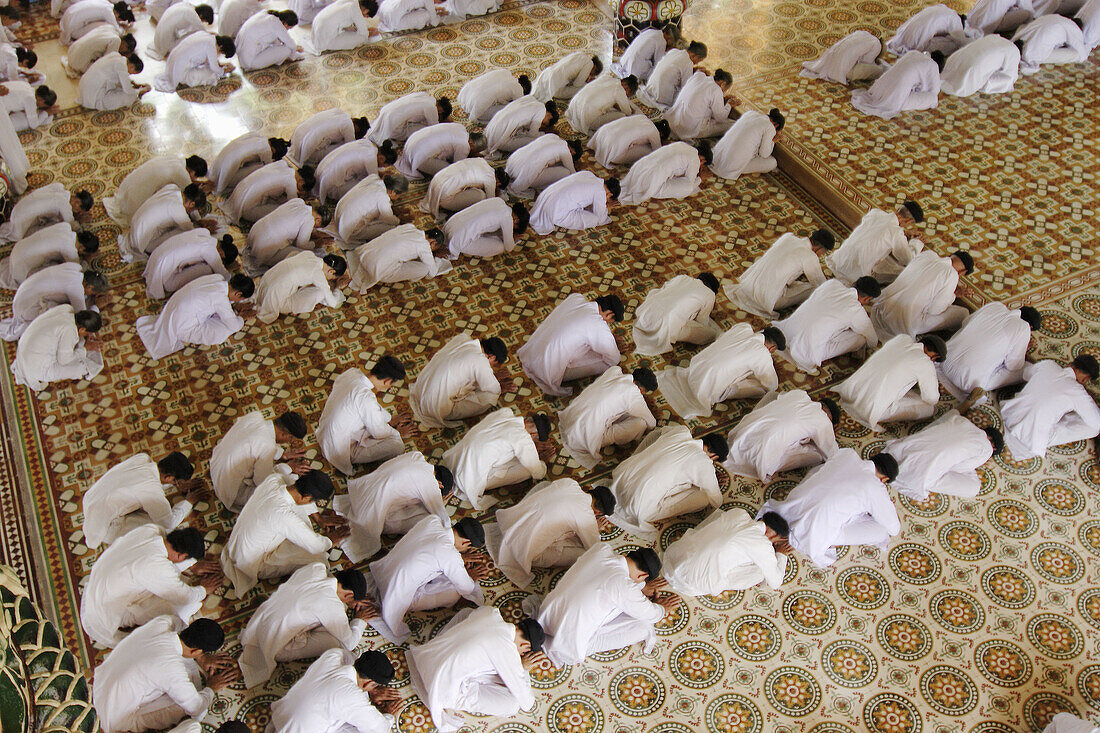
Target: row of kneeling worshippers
x,y
939,49
477,662
264,183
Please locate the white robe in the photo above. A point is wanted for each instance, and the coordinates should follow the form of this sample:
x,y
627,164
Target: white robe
x,y
538,164
471,665
344,167
923,30
610,411
1050,39
233,13
199,313
318,135
841,502
485,95
49,287
785,275
896,383
143,182
668,78
295,285
700,109
990,16
726,551
47,247
431,149
829,323
551,526
941,458
457,383
51,350
677,311
858,48
146,682
913,83
641,56
1090,19
242,458
1052,409
271,537
401,254
878,247
303,618
746,147
563,78
36,210
133,582
180,259
596,607
575,202
157,8
341,26
459,185
669,474
130,494
193,62
261,192
989,65
177,22
624,141
989,351
161,216
737,365
406,15
598,102
12,153
1066,723
669,172
286,231
389,500
328,698
785,431
83,16
498,451
401,117
106,84
363,213
423,571
485,229
920,300
263,41
237,159
96,43
460,9
516,124
353,427
572,342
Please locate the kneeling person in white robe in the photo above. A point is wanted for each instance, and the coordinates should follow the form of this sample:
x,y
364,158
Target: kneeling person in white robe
x,y
576,202
896,384
603,602
613,410
149,178
540,163
518,123
168,212
913,83
989,351
458,382
401,254
184,257
702,108
644,52
831,322
736,366
291,228
486,229
349,164
841,502
263,41
321,133
784,276
265,189
601,101
746,147
58,345
485,95
344,25
785,431
574,341
54,245
195,62
671,73
431,149
566,76
400,118
677,311
107,85
943,457
241,156
338,692
48,288
989,65
366,210
43,207
1050,39
935,28
407,15
1053,407
499,451
353,427
990,17
459,185
879,247
922,297
628,139
727,551
669,172
853,58
299,284
203,312
246,454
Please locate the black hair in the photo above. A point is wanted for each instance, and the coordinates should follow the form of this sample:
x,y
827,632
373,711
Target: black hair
x,y
885,464
95,280
939,58
576,149
631,82
85,199
176,465
524,83
531,630
830,406
361,126
90,321
604,500
315,484
193,193
123,12
502,178
47,95
228,47
470,529
645,378
697,48
716,444
203,634
197,165
188,541
135,61
375,666
242,284
308,175
776,523
722,76
233,726
229,250
288,17
494,346
293,423
708,279
823,238
962,17
326,215
647,561
936,344
523,219
1087,364
369,7
597,65
1032,317
388,367
396,183
9,12
26,57
706,151
663,129
445,108
1019,44
88,241
445,478
338,264
353,580
777,119
279,147
914,210
996,439
613,304
868,286
966,258
542,425
129,43
205,13
388,152
773,334
613,187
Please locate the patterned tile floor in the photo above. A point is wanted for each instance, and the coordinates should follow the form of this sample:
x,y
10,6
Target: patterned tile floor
x,y
984,616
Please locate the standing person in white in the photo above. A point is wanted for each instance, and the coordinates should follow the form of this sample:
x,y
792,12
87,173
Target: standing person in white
x,y
784,276
831,322
677,311
896,384
785,431
944,457
574,341
879,247
500,450
728,550
246,454
458,382
613,410
339,692
353,427
1053,408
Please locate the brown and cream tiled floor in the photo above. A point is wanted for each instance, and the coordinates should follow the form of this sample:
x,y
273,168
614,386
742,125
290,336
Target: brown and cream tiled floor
x,y
984,617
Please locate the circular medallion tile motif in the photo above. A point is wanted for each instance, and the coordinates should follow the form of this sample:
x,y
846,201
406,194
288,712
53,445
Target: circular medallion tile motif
x,y
674,620
1088,603
610,656
849,663
545,676
1002,663
948,690
957,611
933,506
905,637
992,727
1087,306
1013,518
1055,636
1057,563
575,714
914,563
1039,709
722,602
1024,467
964,540
1088,684
513,728
733,714
809,612
754,637
696,664
637,691
792,691
890,713
1008,586
863,587
1089,534
1059,497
